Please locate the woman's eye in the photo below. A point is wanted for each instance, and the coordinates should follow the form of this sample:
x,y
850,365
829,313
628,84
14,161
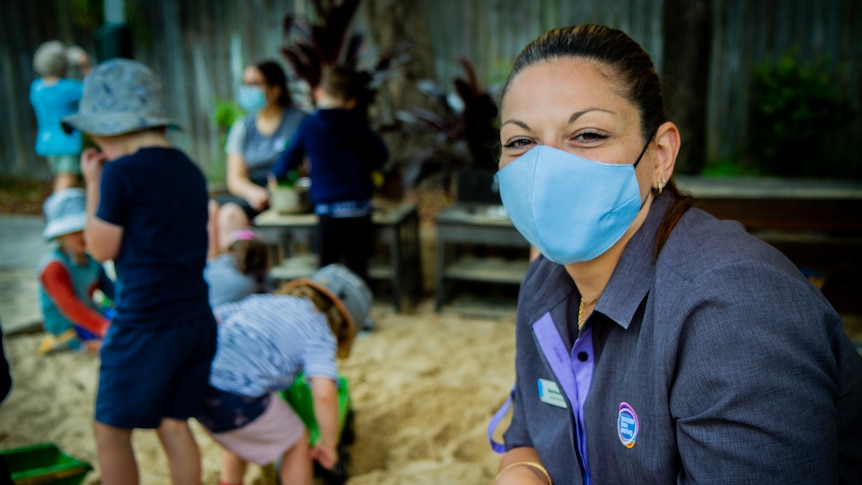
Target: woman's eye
x,y
517,143
590,136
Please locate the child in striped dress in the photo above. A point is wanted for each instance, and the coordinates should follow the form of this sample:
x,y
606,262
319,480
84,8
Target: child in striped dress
x,y
264,341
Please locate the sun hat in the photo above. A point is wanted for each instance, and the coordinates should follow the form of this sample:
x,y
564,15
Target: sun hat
x,y
348,288
347,291
50,59
65,212
120,96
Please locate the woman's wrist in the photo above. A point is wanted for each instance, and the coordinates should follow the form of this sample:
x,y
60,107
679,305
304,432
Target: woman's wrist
x,y
535,467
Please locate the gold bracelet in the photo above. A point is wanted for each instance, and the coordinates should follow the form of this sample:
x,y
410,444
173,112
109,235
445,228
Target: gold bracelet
x,y
531,464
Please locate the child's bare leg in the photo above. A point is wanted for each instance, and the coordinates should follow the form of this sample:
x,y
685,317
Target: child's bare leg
x,y
296,463
212,229
116,456
230,219
64,180
232,467
181,448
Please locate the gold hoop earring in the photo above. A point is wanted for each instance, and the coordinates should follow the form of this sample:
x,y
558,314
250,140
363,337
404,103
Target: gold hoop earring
x,y
661,185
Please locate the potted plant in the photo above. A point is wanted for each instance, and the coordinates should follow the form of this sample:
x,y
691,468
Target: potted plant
x,y
290,195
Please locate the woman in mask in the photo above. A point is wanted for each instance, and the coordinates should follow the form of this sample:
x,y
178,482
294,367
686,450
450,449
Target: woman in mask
x,y
253,144
655,343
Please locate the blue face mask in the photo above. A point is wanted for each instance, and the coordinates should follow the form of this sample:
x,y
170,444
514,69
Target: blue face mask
x,y
251,98
569,208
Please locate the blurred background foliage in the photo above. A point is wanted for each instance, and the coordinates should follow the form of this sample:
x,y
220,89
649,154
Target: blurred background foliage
x,y
800,122
780,91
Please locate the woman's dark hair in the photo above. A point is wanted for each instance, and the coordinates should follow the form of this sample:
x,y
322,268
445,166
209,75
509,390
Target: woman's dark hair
x,y
629,67
275,76
251,257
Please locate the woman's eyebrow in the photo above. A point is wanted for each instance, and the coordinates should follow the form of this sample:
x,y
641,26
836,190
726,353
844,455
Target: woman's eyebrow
x,y
578,114
516,122
572,118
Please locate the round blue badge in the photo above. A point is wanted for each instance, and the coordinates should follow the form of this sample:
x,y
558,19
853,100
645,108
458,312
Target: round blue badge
x,y
627,425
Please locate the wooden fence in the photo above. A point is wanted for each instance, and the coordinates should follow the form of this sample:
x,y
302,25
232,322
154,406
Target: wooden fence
x,y
746,33
199,47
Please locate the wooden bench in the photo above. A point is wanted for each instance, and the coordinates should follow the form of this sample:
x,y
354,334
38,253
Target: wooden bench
x,y
817,224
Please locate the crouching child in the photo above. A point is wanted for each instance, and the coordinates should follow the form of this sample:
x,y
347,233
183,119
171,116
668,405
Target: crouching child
x,y
264,342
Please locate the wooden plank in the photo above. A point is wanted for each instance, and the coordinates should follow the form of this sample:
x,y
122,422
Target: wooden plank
x,y
491,270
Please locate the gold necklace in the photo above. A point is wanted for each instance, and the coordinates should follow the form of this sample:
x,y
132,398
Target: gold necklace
x,y
581,311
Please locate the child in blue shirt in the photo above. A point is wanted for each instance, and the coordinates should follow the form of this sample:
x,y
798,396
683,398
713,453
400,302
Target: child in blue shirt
x,y
146,211
54,96
343,152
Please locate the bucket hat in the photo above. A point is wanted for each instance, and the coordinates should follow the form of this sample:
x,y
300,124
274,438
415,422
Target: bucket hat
x,y
65,212
347,291
120,96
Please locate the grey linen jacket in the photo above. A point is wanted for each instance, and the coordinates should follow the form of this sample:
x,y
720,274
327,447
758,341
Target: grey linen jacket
x,y
738,368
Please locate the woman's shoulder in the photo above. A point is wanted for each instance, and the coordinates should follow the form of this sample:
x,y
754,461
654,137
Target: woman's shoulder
x,y
701,244
293,118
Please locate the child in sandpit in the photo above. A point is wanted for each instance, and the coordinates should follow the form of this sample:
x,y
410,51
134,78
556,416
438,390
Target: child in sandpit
x,y
53,95
264,342
146,211
238,269
69,277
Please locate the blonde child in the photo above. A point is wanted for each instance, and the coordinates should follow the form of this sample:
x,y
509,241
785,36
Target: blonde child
x,y
264,342
69,278
54,96
146,211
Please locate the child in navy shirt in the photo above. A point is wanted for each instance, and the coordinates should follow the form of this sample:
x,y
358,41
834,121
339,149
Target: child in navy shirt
x,y
343,152
146,211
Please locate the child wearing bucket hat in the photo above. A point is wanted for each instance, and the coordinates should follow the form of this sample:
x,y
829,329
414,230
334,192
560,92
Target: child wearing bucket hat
x,y
264,342
146,211
69,278
53,96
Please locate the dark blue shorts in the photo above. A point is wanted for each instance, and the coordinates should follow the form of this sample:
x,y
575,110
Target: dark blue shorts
x,y
225,411
150,374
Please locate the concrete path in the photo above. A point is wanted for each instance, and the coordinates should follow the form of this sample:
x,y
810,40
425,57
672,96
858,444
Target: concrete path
x,y
21,247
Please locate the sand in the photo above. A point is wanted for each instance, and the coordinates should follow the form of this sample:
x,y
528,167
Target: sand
x,y
424,386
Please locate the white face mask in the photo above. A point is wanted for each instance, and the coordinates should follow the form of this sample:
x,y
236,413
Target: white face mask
x,y
251,98
569,208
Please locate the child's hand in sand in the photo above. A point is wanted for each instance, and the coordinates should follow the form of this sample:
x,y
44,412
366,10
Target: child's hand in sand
x,y
325,455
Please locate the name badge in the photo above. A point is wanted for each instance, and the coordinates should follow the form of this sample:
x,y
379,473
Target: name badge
x,y
549,393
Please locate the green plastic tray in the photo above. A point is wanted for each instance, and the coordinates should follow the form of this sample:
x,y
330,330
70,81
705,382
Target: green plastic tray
x,y
44,463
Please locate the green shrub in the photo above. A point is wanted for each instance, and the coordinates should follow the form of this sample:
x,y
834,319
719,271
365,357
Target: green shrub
x,y
224,115
729,168
801,122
